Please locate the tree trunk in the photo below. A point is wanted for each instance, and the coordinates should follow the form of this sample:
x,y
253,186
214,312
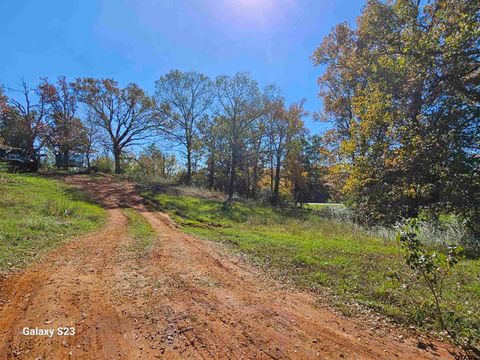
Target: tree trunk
x,y
276,186
66,157
231,185
30,152
87,157
256,169
254,181
117,154
271,175
211,172
189,165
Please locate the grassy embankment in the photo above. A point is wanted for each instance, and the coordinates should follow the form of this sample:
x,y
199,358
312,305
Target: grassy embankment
x,y
37,214
327,254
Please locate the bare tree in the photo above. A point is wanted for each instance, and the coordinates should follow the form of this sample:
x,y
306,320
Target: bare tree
x,y
184,99
241,103
3,98
27,116
3,113
127,114
94,139
66,133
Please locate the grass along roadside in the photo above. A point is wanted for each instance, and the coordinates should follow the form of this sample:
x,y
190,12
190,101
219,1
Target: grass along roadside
x,y
140,230
37,214
321,206
320,253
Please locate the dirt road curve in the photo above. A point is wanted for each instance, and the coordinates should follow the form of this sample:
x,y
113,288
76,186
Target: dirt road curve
x,y
186,298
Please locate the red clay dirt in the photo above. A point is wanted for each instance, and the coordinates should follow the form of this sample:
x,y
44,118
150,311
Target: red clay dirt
x,y
184,298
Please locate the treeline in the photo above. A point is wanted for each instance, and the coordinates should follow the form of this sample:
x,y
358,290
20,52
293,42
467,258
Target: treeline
x,y
403,92
233,135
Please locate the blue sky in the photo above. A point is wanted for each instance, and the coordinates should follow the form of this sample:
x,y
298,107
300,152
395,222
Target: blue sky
x,y
138,40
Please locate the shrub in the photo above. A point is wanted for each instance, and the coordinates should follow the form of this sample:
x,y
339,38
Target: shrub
x,y
432,267
59,204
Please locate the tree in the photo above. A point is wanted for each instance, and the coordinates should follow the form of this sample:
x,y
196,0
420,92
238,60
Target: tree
x,y
65,132
295,171
155,164
402,91
184,99
256,154
3,99
316,160
94,138
127,115
212,136
241,103
24,123
339,82
284,128
3,112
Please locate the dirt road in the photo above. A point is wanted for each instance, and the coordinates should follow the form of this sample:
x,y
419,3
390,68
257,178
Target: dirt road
x,y
186,298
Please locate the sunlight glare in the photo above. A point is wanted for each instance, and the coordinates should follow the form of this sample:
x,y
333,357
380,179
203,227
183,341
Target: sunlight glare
x,y
254,5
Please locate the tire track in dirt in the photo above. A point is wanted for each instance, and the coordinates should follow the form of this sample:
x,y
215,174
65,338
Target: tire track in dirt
x,y
69,288
185,298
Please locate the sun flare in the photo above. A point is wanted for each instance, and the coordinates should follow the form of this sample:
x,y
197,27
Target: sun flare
x,y
253,4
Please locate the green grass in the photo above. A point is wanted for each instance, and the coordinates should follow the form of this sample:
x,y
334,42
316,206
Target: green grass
x,y
320,206
37,214
141,232
326,254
